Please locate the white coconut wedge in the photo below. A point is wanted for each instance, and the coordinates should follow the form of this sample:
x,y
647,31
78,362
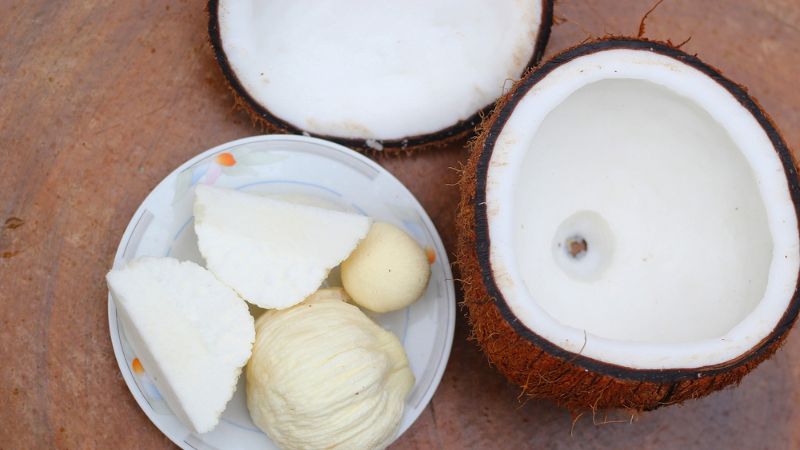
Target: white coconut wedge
x,y
191,333
375,74
273,253
632,216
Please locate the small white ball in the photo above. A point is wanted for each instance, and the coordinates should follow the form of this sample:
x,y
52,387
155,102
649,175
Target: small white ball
x,y
387,271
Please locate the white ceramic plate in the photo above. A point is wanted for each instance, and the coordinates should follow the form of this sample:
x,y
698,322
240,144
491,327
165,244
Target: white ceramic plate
x,y
308,170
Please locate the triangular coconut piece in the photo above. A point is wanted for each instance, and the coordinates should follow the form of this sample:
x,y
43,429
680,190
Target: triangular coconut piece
x,y
191,333
273,253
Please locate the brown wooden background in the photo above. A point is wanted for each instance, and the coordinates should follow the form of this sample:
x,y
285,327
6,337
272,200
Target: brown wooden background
x,y
100,100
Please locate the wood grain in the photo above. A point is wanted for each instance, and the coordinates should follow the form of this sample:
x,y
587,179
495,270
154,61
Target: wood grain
x,y
100,100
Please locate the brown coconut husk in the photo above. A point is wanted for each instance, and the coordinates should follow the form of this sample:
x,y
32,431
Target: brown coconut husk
x,y
270,123
539,367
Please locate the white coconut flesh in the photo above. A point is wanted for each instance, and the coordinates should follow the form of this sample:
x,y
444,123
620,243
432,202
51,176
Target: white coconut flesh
x,y
639,215
192,334
426,66
272,253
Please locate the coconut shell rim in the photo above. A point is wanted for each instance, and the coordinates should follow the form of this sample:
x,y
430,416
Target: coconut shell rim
x,y
495,124
459,129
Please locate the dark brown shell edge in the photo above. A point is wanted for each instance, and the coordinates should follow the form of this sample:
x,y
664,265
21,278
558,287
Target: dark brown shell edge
x,y
272,124
539,367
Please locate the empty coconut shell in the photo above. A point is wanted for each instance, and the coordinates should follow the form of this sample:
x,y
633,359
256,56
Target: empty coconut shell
x,y
375,75
682,197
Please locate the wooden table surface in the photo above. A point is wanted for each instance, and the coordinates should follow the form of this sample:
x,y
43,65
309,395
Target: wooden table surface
x,y
100,100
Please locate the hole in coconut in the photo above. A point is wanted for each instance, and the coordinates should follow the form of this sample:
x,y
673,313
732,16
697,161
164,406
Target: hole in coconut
x,y
576,247
571,246
690,252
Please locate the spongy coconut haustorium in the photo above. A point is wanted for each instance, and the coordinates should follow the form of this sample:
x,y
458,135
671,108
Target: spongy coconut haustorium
x,y
628,230
421,78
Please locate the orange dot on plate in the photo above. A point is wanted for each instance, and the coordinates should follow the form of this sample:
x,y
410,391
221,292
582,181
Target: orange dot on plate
x,y
431,254
137,366
225,159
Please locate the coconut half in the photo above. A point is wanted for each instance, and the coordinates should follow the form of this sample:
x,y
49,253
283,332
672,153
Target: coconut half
x,y
375,74
628,229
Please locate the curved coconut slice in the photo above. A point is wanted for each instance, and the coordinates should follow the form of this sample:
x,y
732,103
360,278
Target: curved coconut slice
x,y
192,334
375,74
633,214
273,253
